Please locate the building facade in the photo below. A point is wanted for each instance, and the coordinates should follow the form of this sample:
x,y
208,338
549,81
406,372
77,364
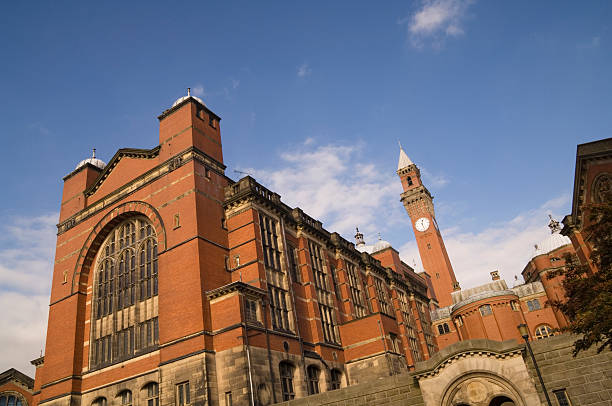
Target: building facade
x,y
175,284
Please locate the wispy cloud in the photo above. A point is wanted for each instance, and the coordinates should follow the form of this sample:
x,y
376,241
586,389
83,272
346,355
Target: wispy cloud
x,y
26,264
327,183
304,70
198,91
505,246
40,128
435,181
435,20
235,83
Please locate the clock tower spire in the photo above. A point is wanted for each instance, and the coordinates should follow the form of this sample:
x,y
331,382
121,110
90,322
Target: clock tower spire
x,y
419,205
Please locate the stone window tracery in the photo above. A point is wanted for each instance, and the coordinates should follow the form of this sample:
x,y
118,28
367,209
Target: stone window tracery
x,y
11,400
126,273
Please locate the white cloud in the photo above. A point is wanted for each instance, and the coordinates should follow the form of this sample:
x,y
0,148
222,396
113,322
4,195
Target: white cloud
x,y
436,19
26,264
334,184
326,182
506,246
235,83
198,91
435,181
304,70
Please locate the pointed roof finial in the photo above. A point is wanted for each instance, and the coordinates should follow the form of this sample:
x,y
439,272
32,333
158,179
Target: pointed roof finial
x,y
404,161
379,237
359,237
188,91
554,225
93,152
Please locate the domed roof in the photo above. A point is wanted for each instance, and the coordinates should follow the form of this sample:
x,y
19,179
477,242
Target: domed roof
x,y
553,241
381,245
93,161
181,99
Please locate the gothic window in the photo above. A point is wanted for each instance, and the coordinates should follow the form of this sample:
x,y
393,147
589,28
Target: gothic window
x,y
313,379
11,400
125,398
336,379
293,263
278,308
382,295
286,375
543,331
329,331
269,242
151,394
316,258
125,274
335,282
355,289
533,304
485,310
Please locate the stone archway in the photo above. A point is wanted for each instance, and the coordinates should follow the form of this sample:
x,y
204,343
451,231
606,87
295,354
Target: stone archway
x,y
482,389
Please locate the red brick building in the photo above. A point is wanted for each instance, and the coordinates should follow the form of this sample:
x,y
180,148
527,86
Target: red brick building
x,y
175,284
15,388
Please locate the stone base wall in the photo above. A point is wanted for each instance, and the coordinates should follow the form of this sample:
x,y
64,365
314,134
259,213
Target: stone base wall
x,y
378,366
587,378
391,390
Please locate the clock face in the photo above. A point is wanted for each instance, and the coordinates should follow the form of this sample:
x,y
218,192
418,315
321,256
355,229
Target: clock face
x,y
422,224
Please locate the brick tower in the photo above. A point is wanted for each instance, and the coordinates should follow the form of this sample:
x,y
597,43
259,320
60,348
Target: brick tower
x,y
419,204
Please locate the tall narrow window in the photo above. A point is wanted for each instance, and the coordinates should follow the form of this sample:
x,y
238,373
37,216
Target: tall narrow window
x,y
286,375
329,331
382,295
126,398
316,257
182,394
151,392
278,308
250,309
292,255
313,379
336,379
269,242
355,289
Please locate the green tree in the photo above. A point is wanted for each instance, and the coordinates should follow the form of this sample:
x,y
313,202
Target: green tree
x,y
589,294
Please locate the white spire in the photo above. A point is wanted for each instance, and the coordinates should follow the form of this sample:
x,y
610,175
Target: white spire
x,y
404,161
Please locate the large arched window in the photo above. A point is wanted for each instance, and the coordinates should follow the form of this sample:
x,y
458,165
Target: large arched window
x,y
125,274
543,331
286,375
11,400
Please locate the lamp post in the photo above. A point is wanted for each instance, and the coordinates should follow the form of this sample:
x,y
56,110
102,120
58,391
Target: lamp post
x,y
524,331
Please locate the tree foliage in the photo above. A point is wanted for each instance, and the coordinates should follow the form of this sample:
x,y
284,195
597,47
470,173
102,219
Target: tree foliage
x,y
588,303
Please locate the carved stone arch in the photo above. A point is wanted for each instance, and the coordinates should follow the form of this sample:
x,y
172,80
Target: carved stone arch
x,y
101,230
479,388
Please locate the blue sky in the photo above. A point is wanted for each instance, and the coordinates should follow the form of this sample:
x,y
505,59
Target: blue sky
x,y
488,98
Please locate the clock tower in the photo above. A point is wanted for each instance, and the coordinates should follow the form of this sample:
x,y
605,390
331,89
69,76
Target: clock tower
x,y
419,204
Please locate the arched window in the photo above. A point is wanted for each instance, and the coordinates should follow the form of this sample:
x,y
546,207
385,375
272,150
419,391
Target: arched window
x,y
125,274
11,400
151,394
125,398
336,379
543,331
101,401
286,376
313,379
